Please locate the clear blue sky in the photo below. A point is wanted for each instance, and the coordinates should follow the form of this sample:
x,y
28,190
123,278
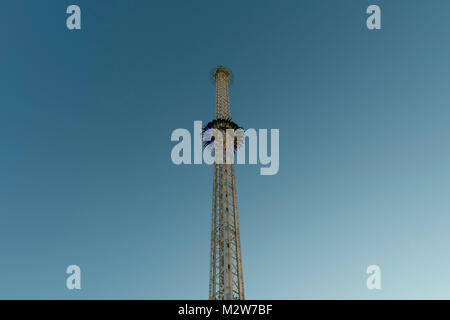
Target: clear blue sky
x,y
86,176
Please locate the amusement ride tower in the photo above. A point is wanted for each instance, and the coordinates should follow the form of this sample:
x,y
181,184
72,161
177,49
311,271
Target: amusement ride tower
x,y
226,279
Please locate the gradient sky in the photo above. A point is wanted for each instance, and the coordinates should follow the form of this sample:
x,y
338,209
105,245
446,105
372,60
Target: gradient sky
x,y
86,176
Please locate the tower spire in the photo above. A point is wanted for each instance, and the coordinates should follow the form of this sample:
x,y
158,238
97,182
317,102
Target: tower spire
x,y
226,279
222,78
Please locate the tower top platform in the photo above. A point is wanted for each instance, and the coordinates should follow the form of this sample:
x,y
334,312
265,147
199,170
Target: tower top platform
x,y
221,69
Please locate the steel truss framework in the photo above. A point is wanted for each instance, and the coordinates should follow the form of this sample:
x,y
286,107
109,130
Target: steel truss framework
x,y
226,278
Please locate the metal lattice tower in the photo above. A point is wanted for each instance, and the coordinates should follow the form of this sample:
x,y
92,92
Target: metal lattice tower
x,y
226,279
